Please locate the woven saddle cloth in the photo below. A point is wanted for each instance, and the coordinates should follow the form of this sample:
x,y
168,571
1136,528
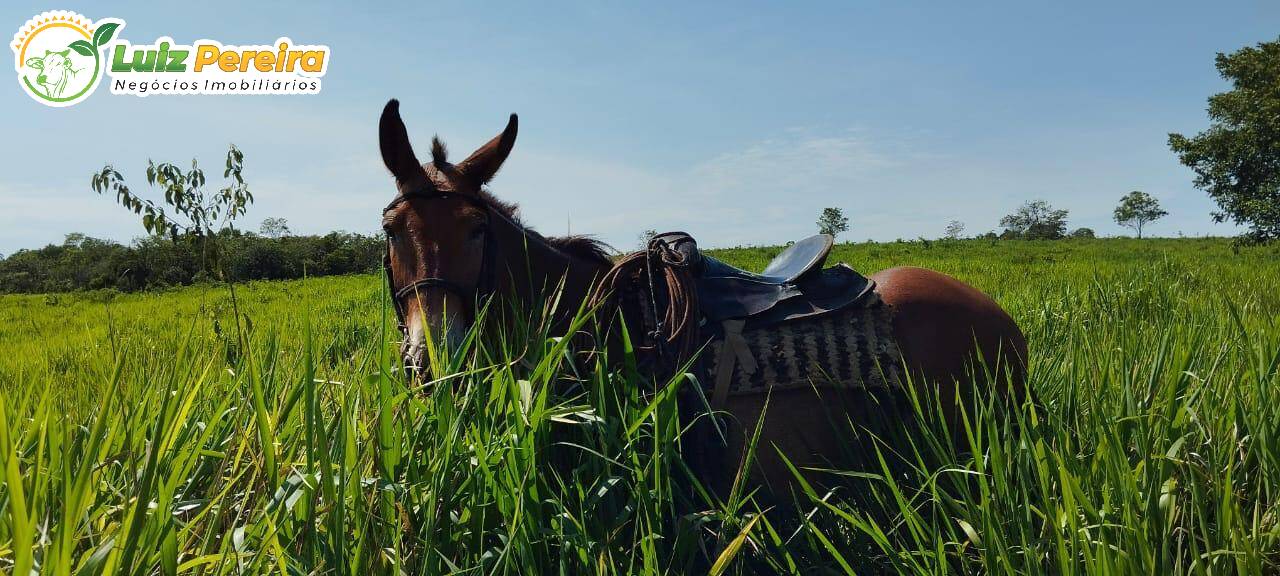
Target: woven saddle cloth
x,y
853,347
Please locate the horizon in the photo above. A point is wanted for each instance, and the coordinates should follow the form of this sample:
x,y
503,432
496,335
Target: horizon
x,y
720,122
840,240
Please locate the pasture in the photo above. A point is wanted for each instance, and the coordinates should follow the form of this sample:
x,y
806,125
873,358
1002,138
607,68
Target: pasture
x,y
163,433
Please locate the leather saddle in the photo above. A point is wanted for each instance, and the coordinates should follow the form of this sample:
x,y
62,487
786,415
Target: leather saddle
x,y
794,285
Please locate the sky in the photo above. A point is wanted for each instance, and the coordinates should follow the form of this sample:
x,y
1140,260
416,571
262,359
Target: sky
x,y
737,122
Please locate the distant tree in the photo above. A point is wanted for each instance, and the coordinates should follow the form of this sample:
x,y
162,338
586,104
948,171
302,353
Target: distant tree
x,y
955,229
1137,209
1035,220
832,222
275,228
196,213
645,236
1235,159
1083,233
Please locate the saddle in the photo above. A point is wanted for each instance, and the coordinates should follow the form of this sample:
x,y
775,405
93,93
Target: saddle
x,y
793,286
791,325
757,322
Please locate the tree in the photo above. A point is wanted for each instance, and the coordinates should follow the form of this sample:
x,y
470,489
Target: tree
x,y
195,213
955,228
1137,209
1235,159
832,222
274,228
645,237
1083,234
1035,220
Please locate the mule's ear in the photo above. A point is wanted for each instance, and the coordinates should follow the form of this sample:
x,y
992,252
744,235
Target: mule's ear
x,y
485,162
393,139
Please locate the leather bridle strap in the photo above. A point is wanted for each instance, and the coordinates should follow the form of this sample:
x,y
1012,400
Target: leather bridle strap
x,y
430,283
482,287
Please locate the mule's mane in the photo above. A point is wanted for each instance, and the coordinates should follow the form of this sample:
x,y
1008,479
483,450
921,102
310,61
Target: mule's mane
x,y
578,246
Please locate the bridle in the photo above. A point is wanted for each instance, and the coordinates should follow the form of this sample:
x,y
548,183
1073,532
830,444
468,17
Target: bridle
x,y
484,284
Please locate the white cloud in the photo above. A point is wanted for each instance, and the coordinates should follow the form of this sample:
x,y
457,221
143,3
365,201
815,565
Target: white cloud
x,y
36,216
772,191
769,191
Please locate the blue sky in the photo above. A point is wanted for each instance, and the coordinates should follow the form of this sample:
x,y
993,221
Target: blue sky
x,y
736,121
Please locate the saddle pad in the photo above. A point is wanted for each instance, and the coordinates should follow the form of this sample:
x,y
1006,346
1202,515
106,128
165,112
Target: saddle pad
x,y
849,348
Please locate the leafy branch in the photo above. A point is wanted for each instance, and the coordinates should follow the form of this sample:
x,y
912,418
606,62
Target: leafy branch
x,y
188,210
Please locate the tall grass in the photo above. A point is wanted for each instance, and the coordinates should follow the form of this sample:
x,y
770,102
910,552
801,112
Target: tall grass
x,y
184,432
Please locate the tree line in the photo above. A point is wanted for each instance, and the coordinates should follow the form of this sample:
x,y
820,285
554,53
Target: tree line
x,y
81,262
1034,220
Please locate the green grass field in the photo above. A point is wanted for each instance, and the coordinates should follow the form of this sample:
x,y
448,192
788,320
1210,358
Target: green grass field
x,y
156,434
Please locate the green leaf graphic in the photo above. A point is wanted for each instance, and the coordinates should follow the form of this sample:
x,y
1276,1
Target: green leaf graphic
x,y
82,48
104,33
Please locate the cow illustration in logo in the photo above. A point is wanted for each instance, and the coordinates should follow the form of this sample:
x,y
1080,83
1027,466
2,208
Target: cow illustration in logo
x,y
59,56
54,71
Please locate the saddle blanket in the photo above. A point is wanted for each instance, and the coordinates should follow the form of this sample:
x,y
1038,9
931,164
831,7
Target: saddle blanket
x,y
853,347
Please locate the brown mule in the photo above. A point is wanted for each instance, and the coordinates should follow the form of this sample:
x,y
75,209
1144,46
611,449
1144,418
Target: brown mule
x,y
449,240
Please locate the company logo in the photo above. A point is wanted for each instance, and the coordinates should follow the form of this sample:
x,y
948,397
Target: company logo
x,y
58,56
62,56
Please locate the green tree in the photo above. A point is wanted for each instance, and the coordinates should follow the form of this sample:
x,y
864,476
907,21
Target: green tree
x,y
1083,234
645,237
1236,159
1137,209
955,229
274,228
196,212
1035,220
832,221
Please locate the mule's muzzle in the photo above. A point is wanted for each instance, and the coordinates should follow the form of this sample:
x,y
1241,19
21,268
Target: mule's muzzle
x,y
414,357
418,369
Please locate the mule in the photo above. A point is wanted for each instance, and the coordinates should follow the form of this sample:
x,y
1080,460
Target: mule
x,y
450,241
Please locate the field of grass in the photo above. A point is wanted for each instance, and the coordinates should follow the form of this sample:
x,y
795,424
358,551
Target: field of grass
x,y
163,433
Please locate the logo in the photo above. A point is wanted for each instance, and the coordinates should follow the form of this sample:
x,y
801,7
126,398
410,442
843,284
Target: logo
x,y
58,56
62,56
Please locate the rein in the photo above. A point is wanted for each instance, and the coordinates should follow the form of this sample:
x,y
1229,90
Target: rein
x,y
654,290
484,286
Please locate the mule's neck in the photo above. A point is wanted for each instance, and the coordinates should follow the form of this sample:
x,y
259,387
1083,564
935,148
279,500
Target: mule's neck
x,y
529,269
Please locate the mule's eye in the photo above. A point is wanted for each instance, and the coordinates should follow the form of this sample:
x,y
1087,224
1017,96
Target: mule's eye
x,y
478,232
